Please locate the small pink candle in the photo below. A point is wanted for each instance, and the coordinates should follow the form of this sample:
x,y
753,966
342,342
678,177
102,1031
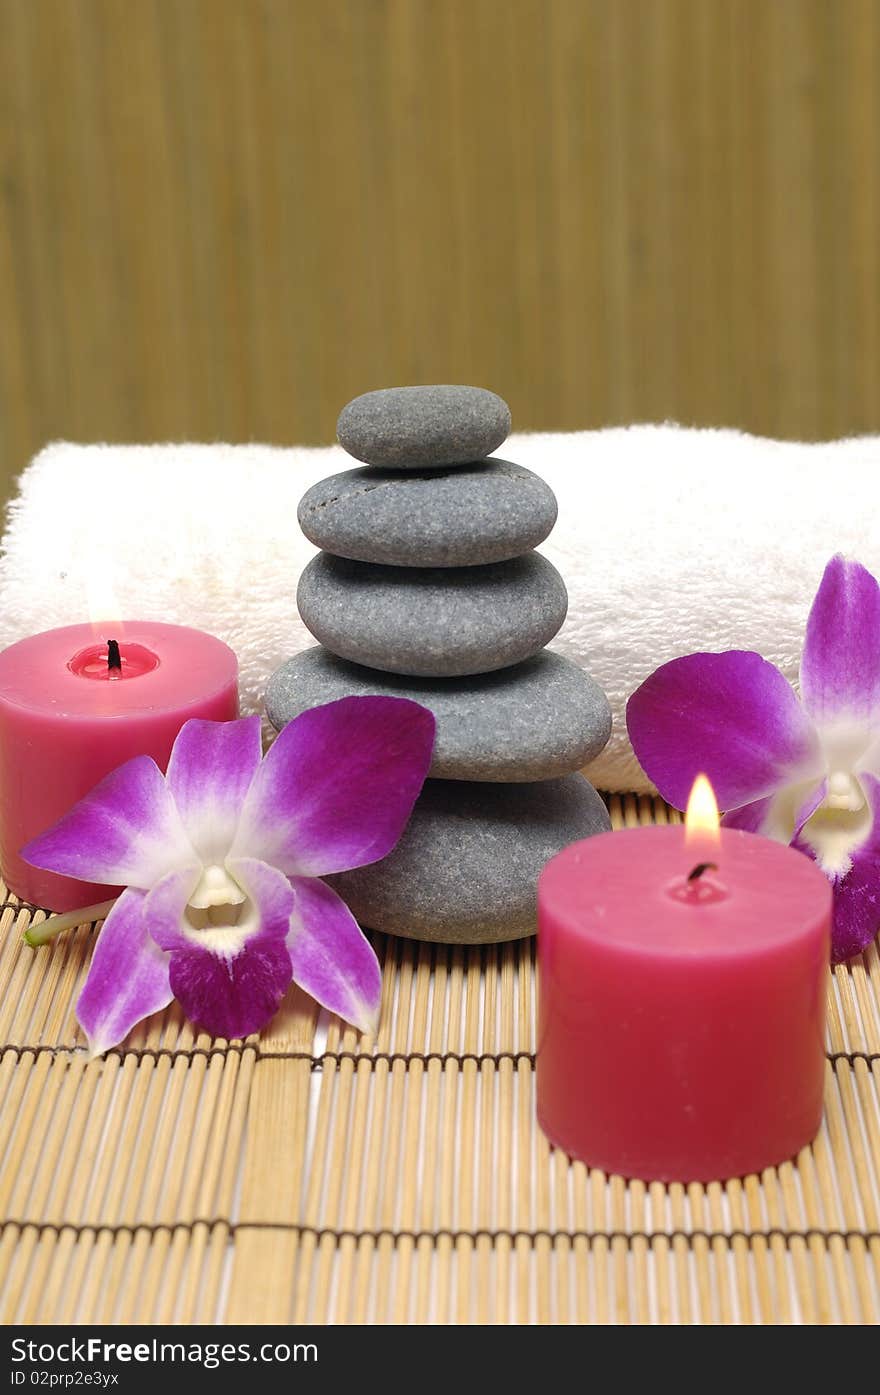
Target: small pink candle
x,y
682,1022
72,709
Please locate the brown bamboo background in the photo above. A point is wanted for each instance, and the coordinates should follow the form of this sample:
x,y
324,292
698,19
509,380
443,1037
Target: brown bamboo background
x,y
223,218
311,1175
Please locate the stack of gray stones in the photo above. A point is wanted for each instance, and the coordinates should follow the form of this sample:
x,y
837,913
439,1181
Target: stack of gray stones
x,y
427,587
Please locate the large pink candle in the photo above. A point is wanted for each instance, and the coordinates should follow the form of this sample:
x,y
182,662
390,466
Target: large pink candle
x,y
682,1021
74,706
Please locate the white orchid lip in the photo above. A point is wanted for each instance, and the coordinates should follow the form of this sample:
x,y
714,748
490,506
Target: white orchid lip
x,y
840,826
840,822
219,915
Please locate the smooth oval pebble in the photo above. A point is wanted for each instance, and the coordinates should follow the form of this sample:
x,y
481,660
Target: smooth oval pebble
x,y
466,869
407,428
466,517
536,720
431,622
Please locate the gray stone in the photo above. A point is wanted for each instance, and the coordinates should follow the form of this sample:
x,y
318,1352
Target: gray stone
x,y
431,622
407,428
464,517
539,719
466,869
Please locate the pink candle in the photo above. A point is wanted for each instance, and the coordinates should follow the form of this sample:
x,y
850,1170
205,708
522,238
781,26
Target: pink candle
x,y
681,1022
72,710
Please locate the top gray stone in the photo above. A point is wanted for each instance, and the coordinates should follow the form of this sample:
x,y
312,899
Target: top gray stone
x,y
409,428
464,517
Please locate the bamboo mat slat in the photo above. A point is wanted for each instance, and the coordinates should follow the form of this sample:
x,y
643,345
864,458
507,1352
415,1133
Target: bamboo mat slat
x,y
314,1176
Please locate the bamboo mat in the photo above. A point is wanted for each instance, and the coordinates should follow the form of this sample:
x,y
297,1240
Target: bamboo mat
x,y
311,1176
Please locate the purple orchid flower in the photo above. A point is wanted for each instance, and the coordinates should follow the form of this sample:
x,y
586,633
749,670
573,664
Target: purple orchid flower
x,y
222,859
806,773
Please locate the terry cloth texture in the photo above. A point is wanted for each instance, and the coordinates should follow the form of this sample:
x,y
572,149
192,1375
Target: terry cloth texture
x,y
670,540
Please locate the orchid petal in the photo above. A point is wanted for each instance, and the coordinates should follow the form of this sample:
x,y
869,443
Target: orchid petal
x,y
840,666
270,892
751,818
856,884
807,807
231,997
209,774
127,979
332,958
337,787
732,716
165,908
125,832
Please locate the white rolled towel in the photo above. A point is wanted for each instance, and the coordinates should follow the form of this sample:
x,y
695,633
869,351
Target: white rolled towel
x,y
670,540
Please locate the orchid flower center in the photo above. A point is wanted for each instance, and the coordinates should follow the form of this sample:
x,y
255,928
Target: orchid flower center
x,y
219,915
841,823
844,792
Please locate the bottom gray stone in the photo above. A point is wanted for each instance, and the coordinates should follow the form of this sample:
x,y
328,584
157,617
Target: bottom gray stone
x,y
466,869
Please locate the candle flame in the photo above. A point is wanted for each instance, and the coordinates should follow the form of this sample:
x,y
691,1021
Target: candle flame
x,y
701,818
105,612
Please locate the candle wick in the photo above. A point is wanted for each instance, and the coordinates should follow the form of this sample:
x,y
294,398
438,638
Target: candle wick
x,y
114,658
701,867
